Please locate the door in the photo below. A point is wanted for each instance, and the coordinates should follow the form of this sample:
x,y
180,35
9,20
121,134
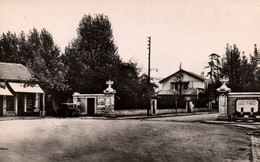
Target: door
x,y
1,106
91,106
153,107
21,104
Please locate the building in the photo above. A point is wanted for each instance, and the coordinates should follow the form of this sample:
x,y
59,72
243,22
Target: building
x,y
19,95
182,83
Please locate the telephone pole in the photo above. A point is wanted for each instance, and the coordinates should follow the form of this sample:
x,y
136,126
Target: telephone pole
x,y
149,68
149,58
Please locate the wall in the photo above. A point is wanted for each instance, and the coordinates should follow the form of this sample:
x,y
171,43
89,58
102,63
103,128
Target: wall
x,y
130,112
234,96
137,112
103,103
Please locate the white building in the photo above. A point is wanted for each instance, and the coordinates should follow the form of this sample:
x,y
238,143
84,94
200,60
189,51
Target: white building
x,y
191,85
19,95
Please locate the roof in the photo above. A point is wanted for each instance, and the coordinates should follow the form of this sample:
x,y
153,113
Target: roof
x,y
187,72
21,87
14,72
4,91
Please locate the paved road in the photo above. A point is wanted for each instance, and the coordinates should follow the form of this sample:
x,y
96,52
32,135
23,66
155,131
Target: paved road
x,y
121,140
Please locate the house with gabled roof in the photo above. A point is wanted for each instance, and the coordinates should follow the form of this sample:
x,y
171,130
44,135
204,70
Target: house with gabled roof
x,y
19,94
189,84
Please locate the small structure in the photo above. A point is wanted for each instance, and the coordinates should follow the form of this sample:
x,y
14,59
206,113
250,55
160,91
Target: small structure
x,y
237,105
19,95
96,104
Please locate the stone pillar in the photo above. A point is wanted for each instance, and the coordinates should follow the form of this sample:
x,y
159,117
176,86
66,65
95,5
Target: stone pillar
x,y
223,99
153,106
4,105
43,104
16,104
109,99
75,98
188,109
25,102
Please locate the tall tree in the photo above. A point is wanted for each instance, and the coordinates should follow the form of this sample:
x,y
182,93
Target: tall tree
x,y
92,54
92,58
214,66
45,62
246,75
231,66
9,48
255,62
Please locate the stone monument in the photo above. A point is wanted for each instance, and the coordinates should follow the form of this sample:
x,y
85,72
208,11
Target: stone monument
x,y
222,99
109,98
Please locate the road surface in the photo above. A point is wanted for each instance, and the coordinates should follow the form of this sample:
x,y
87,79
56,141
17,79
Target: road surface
x,y
75,139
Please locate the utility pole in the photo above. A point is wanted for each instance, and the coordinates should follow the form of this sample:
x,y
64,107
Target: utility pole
x,y
149,68
149,59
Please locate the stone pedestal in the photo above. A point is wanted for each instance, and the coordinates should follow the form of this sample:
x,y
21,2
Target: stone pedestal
x,y
109,99
222,100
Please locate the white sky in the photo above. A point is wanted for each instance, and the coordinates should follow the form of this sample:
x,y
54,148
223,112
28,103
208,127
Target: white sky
x,y
185,31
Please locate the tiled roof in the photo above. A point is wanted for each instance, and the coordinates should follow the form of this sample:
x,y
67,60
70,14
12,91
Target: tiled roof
x,y
187,72
14,72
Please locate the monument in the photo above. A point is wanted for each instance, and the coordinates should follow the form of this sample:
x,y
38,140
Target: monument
x,y
223,99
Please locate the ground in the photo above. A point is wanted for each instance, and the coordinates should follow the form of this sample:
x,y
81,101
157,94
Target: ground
x,y
124,139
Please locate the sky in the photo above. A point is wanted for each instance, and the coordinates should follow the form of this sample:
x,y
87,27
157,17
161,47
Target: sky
x,y
182,31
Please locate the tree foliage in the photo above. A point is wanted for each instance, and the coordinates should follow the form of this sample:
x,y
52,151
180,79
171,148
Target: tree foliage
x,y
92,58
231,66
214,66
38,52
243,72
46,64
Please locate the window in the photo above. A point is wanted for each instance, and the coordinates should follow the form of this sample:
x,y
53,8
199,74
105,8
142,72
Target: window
x,y
172,86
185,86
175,85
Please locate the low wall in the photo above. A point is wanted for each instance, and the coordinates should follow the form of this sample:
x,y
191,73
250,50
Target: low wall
x,y
129,112
170,111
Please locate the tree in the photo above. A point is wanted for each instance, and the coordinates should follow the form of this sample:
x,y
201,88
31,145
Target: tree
x,y
9,48
255,62
45,63
92,58
40,55
214,66
231,66
91,55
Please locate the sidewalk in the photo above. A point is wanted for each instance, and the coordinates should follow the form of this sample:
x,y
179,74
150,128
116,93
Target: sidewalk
x,y
162,115
204,117
20,118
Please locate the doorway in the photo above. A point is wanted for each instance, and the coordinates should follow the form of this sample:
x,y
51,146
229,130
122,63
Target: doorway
x,y
1,106
90,106
21,104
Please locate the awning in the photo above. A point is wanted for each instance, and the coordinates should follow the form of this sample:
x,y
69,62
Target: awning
x,y
21,87
4,91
